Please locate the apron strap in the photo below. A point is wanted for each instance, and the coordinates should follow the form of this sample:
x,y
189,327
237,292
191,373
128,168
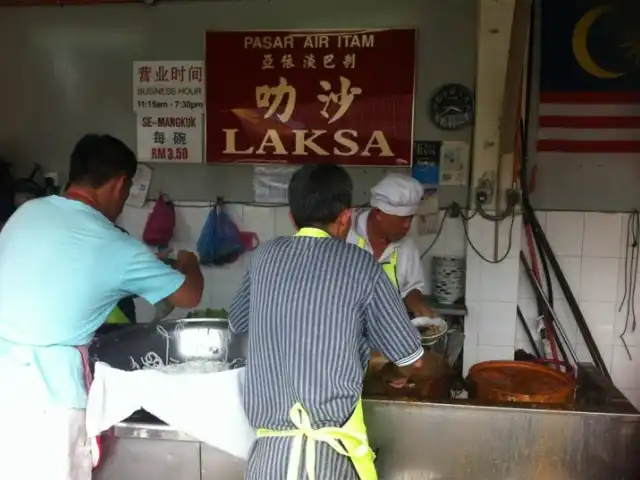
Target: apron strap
x,y
350,441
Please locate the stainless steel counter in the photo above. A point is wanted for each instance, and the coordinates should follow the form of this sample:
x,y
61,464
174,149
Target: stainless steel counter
x,y
425,441
599,439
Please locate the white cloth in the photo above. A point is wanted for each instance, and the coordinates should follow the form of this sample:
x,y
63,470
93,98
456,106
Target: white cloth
x,y
39,441
206,406
397,195
409,266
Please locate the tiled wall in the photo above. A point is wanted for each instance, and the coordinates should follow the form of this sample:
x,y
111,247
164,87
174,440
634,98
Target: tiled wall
x,y
590,248
491,290
221,283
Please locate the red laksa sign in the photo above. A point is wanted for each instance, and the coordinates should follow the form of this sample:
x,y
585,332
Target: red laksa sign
x,y
335,96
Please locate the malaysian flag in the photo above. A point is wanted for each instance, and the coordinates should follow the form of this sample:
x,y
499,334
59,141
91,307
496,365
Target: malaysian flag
x,y
589,78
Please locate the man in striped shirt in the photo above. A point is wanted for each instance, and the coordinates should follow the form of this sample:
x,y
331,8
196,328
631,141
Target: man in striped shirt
x,y
314,307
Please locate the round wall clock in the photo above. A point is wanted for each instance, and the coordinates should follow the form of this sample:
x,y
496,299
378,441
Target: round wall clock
x,y
451,107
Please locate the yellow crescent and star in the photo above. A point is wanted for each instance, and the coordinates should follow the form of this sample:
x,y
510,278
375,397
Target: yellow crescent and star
x,y
581,49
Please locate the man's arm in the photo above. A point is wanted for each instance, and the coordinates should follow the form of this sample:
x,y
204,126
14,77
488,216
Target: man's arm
x,y
411,279
190,292
148,277
239,309
416,304
388,326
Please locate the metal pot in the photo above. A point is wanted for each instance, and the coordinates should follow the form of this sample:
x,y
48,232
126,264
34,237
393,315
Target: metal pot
x,y
170,342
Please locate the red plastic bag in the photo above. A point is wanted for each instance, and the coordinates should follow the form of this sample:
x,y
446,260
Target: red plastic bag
x,y
160,224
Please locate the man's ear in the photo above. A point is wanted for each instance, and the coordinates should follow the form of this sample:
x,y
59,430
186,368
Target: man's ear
x,y
343,222
293,222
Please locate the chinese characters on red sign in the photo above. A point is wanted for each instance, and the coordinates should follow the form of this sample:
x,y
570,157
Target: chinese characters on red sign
x,y
296,97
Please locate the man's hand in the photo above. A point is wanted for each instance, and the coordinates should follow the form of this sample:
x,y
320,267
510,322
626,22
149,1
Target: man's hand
x,y
420,309
415,303
190,293
165,255
186,261
398,377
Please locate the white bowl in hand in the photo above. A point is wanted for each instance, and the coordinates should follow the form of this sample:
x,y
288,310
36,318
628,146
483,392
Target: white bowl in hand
x,y
431,329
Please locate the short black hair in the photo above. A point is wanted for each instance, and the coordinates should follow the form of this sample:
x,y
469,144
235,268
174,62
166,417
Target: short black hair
x,y
318,194
97,159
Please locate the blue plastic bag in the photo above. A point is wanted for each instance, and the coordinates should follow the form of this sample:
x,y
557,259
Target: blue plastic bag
x,y
219,241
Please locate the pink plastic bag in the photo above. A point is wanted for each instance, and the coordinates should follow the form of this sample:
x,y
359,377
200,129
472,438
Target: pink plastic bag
x,y
160,224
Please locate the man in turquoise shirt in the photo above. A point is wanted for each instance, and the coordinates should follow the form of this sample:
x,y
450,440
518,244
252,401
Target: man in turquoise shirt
x,y
63,268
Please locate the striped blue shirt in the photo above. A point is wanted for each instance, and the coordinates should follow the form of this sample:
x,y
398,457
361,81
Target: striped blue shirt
x,y
313,309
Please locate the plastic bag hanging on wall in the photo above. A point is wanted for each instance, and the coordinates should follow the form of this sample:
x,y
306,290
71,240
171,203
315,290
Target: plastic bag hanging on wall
x,y
158,230
221,242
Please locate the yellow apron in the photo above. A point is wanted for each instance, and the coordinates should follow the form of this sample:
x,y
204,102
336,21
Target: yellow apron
x,y
388,267
116,317
349,440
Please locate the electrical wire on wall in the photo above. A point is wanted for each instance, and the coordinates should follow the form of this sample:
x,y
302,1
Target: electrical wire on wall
x,y
630,277
438,233
454,211
475,249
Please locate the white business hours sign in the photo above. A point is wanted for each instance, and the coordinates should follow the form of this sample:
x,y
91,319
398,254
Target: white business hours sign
x,y
168,98
168,86
170,138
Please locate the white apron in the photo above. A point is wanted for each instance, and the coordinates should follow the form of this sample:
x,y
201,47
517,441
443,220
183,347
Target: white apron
x,y
39,440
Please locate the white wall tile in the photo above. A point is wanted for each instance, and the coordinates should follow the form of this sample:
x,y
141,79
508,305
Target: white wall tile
x,y
567,322
529,309
471,329
633,396
624,370
454,239
487,353
261,221
599,279
572,271
481,234
497,324
221,283
624,325
284,224
473,281
600,317
624,241
499,282
627,298
584,356
602,235
469,357
236,212
587,246
525,288
565,231
510,234
189,224
134,220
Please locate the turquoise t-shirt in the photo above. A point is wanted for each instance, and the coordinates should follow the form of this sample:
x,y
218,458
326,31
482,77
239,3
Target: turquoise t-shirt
x,y
63,268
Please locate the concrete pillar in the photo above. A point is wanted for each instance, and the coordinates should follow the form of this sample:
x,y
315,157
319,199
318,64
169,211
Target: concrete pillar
x,y
492,288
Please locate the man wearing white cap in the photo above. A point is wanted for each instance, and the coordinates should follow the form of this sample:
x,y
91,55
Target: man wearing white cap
x,y
382,230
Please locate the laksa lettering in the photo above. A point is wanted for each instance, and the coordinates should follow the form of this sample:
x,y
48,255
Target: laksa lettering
x,y
335,100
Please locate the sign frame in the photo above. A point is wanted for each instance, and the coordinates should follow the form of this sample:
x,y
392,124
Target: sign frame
x,y
403,160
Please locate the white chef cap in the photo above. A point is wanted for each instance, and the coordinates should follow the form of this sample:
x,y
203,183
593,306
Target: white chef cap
x,y
397,195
